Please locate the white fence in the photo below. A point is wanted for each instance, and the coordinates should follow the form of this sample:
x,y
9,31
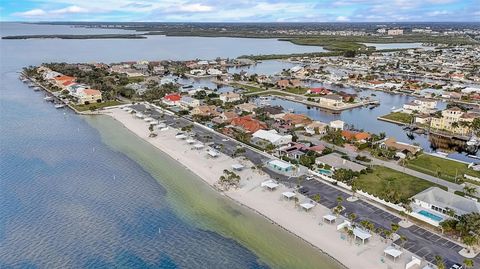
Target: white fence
x,y
471,178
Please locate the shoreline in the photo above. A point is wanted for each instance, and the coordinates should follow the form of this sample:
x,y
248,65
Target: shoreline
x,y
295,221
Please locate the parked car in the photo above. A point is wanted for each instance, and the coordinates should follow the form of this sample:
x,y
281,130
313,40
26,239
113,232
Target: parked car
x,y
456,266
303,190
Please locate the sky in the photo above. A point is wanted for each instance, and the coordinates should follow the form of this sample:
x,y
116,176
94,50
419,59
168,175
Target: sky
x,y
241,10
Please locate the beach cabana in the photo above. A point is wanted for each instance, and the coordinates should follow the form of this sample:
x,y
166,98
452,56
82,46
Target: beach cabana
x,y
139,115
414,263
363,235
191,141
198,146
237,167
395,253
288,194
180,136
270,184
212,153
330,218
148,119
307,206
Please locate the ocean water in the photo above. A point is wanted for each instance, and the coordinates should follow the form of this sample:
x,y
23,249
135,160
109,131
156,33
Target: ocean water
x,y
84,192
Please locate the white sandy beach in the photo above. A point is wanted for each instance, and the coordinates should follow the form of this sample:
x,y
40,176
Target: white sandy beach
x,y
307,225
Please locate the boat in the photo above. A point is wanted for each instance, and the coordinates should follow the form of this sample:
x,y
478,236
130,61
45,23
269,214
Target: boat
x,y
473,141
48,98
57,106
36,89
440,154
393,108
473,157
291,110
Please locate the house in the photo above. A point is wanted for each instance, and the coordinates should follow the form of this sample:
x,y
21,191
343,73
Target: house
x,y
316,127
331,100
403,148
230,97
225,117
61,79
214,72
395,32
440,201
361,137
296,150
271,111
187,101
204,111
89,96
280,166
246,107
296,120
273,137
319,91
422,119
337,125
248,124
453,120
335,161
286,83
171,99
425,106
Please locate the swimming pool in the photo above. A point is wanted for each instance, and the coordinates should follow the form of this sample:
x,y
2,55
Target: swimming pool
x,y
325,172
430,215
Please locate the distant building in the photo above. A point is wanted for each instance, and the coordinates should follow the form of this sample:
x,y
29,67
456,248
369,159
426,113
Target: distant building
x,y
316,127
331,100
273,137
395,32
248,124
89,96
337,124
187,102
230,97
453,120
337,162
171,99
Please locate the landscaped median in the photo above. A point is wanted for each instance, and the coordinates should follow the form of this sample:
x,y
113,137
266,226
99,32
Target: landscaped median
x,y
446,169
391,185
397,117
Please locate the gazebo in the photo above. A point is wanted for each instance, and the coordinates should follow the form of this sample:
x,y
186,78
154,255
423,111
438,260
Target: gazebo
x,y
270,184
307,206
288,194
392,251
329,218
363,235
237,167
198,146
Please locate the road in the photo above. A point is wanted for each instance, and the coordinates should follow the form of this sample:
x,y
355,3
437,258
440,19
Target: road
x,y
421,242
451,186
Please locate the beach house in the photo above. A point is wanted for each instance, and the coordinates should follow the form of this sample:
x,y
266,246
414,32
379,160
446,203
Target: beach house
x,y
272,136
88,96
248,124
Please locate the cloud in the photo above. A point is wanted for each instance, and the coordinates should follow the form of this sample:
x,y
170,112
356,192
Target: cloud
x,y
342,19
70,10
195,8
31,13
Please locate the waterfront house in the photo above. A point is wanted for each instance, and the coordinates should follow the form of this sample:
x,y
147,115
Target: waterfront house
x,y
452,120
336,161
295,150
248,124
319,91
273,137
296,120
88,96
230,97
403,149
316,127
271,111
422,119
361,137
426,106
171,99
440,201
246,107
337,125
225,117
331,100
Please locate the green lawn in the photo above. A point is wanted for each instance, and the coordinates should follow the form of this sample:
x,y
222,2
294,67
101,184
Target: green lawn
x,y
269,92
248,88
96,105
443,168
391,185
297,90
399,116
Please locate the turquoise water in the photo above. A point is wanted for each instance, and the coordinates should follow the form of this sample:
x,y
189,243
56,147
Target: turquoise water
x,y
325,172
430,215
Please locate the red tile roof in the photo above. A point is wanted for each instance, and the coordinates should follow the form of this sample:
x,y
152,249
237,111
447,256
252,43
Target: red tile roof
x,y
249,124
173,97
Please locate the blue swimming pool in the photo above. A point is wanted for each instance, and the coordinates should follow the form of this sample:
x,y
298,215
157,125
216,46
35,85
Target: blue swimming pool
x,y
325,172
430,215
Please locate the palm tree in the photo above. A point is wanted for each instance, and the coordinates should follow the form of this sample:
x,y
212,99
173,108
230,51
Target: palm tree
x,y
352,217
439,262
339,200
316,198
350,234
470,190
395,227
468,263
469,241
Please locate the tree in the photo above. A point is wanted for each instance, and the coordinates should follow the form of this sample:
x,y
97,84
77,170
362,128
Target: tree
x,y
316,198
470,190
352,217
395,227
468,263
439,262
339,200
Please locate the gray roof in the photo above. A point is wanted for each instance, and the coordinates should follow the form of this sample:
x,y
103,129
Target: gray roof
x,y
444,199
336,161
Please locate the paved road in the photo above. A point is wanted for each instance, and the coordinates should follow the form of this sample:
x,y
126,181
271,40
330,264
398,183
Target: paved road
x,y
419,241
451,186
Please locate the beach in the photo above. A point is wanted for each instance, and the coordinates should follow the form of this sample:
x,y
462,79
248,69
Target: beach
x,y
308,226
